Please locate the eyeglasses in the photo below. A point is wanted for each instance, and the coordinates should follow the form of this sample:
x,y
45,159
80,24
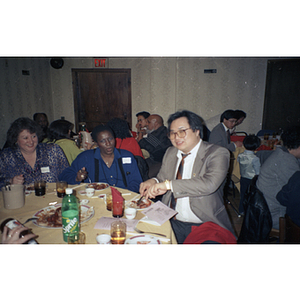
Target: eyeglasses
x,y
180,133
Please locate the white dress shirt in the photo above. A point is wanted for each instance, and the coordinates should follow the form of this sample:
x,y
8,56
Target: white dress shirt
x,y
183,208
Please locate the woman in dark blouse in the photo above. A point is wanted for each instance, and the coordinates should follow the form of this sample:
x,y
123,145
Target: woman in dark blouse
x,y
25,160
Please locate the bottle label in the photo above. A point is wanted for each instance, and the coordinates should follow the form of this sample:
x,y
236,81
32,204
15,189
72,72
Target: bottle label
x,y
13,224
70,223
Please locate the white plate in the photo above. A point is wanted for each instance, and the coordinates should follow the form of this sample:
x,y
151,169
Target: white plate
x,y
128,204
87,213
97,184
143,240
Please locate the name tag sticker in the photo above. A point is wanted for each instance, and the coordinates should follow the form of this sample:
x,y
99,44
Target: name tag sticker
x,y
126,160
45,170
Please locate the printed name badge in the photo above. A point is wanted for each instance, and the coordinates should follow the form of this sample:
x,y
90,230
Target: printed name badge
x,y
45,169
126,160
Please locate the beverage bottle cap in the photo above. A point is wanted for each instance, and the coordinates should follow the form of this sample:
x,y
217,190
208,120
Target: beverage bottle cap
x,y
69,191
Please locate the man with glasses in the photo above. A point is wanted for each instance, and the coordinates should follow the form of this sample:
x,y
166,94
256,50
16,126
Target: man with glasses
x,y
220,135
190,177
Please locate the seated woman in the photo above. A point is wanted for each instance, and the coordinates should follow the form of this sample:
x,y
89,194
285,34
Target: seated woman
x,y
59,133
25,160
104,164
124,139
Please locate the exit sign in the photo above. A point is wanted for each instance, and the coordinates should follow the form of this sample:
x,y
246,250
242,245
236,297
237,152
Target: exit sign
x,y
101,62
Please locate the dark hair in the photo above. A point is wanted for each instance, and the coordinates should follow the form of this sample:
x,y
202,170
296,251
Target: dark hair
x,y
291,137
36,114
59,129
101,128
18,126
240,114
120,128
145,114
228,114
251,142
194,120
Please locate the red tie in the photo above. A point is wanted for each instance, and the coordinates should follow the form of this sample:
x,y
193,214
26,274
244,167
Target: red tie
x,y
179,176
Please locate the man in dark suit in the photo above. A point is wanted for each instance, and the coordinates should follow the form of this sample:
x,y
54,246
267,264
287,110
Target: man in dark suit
x,y
220,135
196,197
156,143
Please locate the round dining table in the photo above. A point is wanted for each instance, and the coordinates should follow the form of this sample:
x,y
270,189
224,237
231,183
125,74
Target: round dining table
x,y
48,235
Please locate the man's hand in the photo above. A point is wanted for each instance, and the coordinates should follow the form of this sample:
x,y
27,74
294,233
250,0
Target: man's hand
x,y
144,186
156,190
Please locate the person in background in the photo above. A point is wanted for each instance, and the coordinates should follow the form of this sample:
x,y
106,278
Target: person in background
x,y
124,139
249,165
141,124
156,143
220,135
59,133
289,196
42,120
278,169
117,167
26,160
193,190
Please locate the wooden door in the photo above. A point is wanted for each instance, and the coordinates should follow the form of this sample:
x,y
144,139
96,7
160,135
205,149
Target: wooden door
x,y
100,95
282,96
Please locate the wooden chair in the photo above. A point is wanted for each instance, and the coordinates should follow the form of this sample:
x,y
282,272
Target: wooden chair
x,y
289,232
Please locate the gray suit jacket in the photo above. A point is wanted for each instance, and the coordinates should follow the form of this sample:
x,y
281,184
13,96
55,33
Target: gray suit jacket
x,y
274,174
204,188
218,136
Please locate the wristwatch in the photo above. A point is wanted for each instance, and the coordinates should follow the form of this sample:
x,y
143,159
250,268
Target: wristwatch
x,y
168,184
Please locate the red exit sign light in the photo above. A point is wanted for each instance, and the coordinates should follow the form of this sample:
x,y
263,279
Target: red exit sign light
x,y
100,62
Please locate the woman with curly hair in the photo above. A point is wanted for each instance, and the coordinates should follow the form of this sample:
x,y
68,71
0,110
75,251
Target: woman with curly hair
x,y
26,160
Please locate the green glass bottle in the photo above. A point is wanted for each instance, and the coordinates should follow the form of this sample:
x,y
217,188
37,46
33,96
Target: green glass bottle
x,y
70,214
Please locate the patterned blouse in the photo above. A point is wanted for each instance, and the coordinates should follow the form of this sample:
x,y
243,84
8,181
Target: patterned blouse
x,y
50,162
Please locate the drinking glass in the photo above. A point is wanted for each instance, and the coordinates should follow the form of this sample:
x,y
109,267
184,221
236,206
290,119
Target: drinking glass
x,y
40,188
61,188
118,208
118,232
109,202
76,238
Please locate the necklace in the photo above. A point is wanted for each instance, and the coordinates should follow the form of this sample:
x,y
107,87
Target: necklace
x,y
106,162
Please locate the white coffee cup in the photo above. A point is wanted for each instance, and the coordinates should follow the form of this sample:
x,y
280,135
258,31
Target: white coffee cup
x,y
130,213
90,192
103,239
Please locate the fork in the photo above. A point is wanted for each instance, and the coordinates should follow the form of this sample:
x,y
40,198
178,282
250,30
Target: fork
x,y
30,219
140,231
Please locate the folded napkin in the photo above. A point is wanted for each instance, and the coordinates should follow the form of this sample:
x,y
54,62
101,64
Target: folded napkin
x,y
116,195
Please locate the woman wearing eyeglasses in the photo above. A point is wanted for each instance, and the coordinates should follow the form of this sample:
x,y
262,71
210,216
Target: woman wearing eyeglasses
x,y
117,167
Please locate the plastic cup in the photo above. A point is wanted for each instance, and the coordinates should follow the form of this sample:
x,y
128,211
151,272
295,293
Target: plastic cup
x,y
13,196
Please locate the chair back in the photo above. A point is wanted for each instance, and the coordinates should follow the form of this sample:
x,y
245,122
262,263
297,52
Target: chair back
x,y
262,132
257,223
289,231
